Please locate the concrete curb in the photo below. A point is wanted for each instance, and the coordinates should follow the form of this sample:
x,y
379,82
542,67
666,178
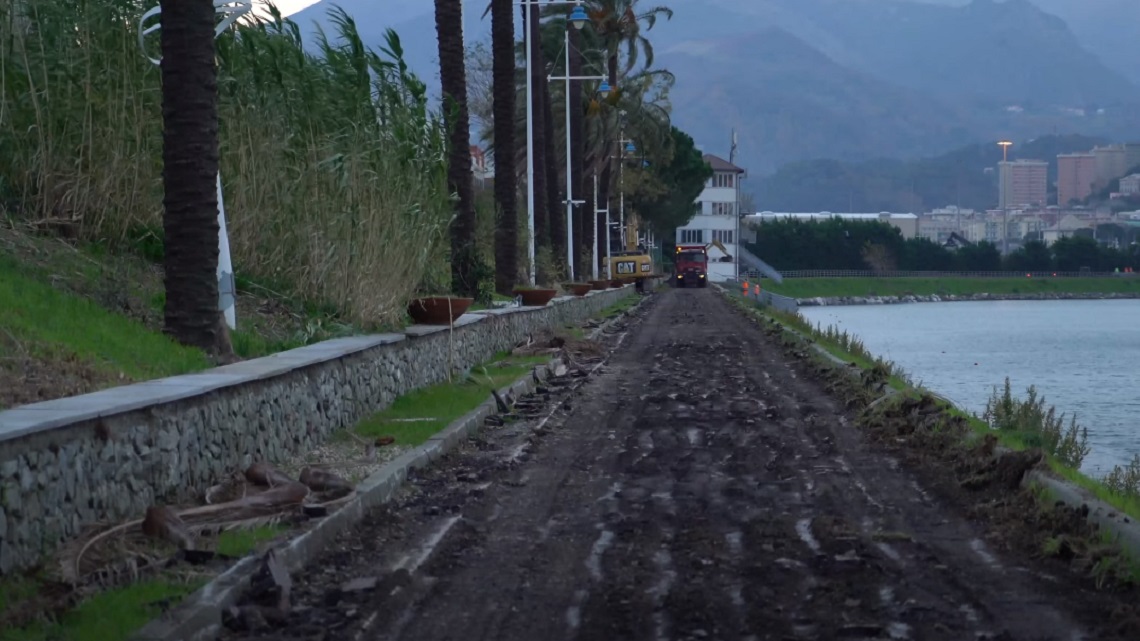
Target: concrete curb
x,y
199,616
1122,529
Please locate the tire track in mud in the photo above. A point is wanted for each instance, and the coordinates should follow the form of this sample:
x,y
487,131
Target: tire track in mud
x,y
700,488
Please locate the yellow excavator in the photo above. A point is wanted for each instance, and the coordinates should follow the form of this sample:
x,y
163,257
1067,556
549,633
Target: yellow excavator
x,y
633,263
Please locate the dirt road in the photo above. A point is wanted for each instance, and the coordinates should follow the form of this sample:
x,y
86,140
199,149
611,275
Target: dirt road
x,y
699,487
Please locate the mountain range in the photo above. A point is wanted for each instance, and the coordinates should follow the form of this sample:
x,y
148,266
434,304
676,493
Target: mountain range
x,y
859,79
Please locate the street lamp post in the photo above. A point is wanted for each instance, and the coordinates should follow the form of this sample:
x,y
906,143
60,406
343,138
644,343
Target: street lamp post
x,y
578,19
603,91
594,225
628,148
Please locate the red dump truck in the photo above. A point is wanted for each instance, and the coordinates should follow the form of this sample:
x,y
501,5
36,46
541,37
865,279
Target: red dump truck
x,y
690,266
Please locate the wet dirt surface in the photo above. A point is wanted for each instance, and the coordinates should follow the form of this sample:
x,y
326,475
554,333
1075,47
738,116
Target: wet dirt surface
x,y
699,486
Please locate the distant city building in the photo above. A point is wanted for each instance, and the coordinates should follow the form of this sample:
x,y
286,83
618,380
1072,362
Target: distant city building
x,y
1111,163
1132,156
1076,175
717,217
1130,185
481,166
1023,182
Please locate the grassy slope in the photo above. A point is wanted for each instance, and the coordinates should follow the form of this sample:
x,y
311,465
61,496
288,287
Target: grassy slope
x,y
813,287
42,323
75,319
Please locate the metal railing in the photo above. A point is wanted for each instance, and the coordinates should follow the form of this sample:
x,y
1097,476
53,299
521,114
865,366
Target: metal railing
x,y
852,273
758,266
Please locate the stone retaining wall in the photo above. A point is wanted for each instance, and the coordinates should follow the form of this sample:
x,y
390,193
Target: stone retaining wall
x,y
933,298
108,455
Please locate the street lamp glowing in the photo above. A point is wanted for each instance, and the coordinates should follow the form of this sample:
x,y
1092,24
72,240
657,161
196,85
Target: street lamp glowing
x,y
604,89
578,17
629,148
1005,145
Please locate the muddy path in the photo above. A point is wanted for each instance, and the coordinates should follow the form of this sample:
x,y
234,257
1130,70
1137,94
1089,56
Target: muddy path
x,y
699,486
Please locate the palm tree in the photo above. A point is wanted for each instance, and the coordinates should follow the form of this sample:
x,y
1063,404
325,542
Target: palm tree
x,y
549,150
506,190
189,176
453,81
619,24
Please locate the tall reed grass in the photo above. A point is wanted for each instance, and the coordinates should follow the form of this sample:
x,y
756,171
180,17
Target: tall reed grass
x,y
333,163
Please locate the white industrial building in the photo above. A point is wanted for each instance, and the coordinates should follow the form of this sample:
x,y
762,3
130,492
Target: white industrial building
x,y
717,218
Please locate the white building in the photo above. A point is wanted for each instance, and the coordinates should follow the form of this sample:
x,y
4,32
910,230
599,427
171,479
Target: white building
x,y
1130,185
717,218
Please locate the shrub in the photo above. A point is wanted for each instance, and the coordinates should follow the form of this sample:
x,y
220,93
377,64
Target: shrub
x,y
1037,425
1125,480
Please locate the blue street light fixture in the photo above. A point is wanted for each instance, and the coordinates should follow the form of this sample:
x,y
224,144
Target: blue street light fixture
x,y
604,89
629,148
578,17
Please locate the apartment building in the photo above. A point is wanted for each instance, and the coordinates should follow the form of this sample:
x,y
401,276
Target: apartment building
x,y
1022,183
1076,177
1111,163
1130,185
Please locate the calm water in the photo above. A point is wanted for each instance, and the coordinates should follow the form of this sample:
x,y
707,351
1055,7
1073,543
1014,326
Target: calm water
x,y
1083,356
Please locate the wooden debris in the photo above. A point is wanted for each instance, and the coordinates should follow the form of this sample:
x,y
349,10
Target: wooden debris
x,y
320,480
162,522
266,475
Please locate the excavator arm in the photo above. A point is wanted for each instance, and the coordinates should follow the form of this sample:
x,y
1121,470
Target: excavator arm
x,y
718,245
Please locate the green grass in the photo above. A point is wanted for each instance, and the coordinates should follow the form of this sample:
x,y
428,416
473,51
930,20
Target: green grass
x,y
243,541
108,616
114,615
48,322
622,305
441,404
958,286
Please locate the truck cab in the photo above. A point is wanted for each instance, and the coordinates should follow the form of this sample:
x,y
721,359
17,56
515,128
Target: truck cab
x,y
690,266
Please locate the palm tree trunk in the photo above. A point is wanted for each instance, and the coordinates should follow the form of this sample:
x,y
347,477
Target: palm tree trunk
x,y
576,191
453,81
506,189
554,205
538,133
189,176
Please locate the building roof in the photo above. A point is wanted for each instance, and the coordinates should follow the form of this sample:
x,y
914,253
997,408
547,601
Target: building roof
x,y
720,164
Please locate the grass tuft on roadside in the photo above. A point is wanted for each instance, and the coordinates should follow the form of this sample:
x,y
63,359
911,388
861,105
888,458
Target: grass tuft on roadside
x,y
114,614
419,415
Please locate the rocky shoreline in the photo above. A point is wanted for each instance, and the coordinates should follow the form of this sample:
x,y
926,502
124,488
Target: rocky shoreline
x,y
935,298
